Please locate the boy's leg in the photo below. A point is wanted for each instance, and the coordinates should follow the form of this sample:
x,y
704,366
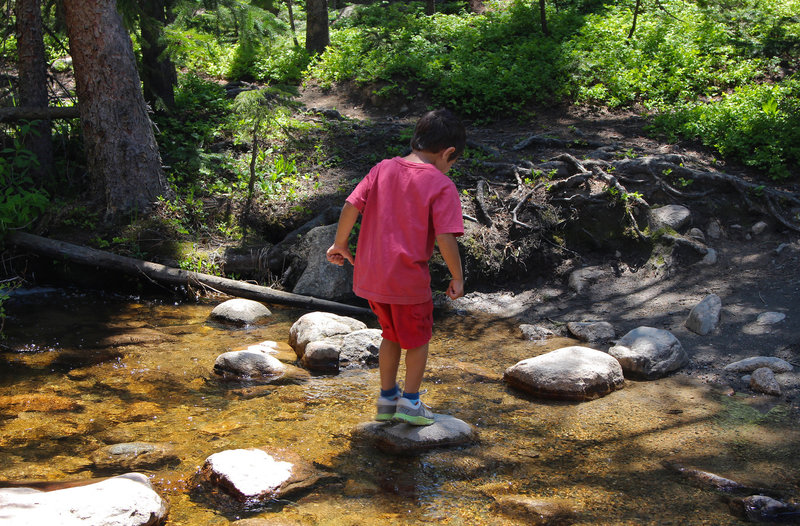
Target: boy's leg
x,y
416,359
388,363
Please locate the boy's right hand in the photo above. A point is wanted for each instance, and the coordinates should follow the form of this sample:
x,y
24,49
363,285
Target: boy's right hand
x,y
337,255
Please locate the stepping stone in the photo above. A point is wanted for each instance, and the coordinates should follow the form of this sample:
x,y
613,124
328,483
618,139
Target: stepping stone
x,y
446,431
648,353
240,311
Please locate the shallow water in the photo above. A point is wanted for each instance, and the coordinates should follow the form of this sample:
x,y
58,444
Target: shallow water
x,y
601,458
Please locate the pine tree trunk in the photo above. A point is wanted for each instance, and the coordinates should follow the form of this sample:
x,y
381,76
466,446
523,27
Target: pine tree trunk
x,y
158,72
121,150
317,34
33,83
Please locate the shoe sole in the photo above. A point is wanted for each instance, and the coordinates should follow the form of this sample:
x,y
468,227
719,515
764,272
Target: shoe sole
x,y
384,417
413,420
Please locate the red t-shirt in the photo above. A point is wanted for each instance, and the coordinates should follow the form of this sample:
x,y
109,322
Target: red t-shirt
x,y
404,206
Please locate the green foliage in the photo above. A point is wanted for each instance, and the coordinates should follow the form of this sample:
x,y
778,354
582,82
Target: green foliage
x,y
476,64
21,201
198,51
758,124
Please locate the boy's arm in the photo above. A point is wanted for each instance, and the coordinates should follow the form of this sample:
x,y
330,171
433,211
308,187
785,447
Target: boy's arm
x,y
339,251
449,250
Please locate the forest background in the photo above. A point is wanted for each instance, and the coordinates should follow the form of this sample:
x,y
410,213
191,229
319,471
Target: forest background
x,y
239,162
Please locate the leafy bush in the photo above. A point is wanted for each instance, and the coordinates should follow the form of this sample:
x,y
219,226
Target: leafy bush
x,y
759,124
198,52
21,201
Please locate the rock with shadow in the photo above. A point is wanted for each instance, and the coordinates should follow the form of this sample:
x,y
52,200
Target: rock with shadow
x,y
402,438
251,479
569,373
647,353
240,312
326,342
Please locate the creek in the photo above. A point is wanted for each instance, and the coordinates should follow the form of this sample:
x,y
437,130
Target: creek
x,y
601,458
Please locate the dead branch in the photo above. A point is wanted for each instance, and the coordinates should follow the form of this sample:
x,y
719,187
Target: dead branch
x,y
480,201
18,113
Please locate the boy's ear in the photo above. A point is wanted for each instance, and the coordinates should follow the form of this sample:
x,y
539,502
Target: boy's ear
x,y
447,152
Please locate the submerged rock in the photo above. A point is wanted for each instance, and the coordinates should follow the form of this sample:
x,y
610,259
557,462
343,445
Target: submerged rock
x,y
446,431
535,511
569,373
760,508
240,311
649,353
134,456
253,477
126,500
704,317
45,403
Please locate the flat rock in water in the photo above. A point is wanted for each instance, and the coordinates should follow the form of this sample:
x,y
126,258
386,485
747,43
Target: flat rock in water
x,y
354,349
704,317
749,365
535,511
126,500
255,476
569,373
240,311
446,431
316,326
134,456
649,353
592,331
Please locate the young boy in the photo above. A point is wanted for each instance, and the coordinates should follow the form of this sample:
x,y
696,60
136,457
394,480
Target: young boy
x,y
406,203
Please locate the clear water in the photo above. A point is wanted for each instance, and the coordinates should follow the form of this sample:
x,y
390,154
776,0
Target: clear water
x,y
62,396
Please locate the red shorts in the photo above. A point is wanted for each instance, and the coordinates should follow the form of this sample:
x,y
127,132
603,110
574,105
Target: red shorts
x,y
409,325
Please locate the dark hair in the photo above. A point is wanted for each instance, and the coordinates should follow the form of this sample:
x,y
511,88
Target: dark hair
x,y
438,130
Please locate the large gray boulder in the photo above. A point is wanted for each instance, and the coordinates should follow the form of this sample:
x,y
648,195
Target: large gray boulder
x,y
254,476
320,278
316,326
446,431
126,500
648,353
569,373
240,311
129,456
355,349
704,317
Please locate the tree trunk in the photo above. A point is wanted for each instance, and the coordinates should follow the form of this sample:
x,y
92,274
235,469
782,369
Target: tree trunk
x,y
635,16
291,22
317,35
477,7
158,72
543,16
121,150
33,83
18,113
430,7
89,256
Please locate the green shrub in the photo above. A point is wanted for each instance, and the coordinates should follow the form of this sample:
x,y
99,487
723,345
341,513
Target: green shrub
x,y
21,200
758,124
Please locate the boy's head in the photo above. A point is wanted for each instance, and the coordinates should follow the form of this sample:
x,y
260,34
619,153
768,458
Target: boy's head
x,y
438,130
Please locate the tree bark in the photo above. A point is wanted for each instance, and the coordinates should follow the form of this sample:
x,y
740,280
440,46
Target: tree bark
x,y
165,274
121,150
317,33
33,83
158,72
543,16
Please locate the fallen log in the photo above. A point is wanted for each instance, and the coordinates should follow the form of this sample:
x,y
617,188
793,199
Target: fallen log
x,y
165,274
32,114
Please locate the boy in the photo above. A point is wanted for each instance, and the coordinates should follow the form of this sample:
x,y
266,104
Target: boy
x,y
406,203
